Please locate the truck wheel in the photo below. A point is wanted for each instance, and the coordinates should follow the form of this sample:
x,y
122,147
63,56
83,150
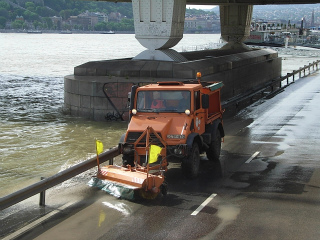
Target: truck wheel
x,y
213,153
164,188
190,165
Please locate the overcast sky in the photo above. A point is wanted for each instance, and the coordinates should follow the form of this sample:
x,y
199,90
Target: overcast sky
x,y
201,6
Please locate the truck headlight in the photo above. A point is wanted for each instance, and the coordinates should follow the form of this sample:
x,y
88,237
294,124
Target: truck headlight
x,y
127,150
178,151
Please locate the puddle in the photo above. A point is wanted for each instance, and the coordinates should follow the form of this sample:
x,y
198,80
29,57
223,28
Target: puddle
x,y
227,213
120,207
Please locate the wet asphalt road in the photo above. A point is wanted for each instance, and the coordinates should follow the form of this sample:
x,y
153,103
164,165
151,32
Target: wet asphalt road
x,y
267,186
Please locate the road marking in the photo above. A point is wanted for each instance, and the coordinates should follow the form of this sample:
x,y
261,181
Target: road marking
x,y
203,204
37,222
253,157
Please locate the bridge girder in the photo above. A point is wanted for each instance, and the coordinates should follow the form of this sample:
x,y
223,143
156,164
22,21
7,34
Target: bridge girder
x,y
245,2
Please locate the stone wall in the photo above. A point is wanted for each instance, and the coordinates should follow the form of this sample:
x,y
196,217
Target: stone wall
x,y
240,72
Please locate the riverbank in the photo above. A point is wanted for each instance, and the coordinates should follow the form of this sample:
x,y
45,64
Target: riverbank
x,y
63,31
88,32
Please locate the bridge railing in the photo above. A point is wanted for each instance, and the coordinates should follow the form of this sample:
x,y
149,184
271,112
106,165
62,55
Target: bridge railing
x,y
269,89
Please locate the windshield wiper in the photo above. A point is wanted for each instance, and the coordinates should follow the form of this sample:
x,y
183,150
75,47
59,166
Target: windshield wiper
x,y
148,110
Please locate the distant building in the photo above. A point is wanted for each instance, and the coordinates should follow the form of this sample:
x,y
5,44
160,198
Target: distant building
x,y
312,19
56,20
87,19
115,17
202,23
20,18
190,23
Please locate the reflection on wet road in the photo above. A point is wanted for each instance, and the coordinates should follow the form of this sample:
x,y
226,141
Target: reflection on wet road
x,y
267,185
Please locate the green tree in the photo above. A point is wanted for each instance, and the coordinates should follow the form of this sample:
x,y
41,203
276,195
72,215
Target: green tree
x,y
25,26
3,22
16,12
101,26
126,25
66,26
48,22
65,14
17,24
4,13
38,25
44,11
4,5
30,6
30,16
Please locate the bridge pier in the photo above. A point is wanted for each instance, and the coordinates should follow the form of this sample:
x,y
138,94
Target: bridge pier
x,y
235,23
158,27
98,90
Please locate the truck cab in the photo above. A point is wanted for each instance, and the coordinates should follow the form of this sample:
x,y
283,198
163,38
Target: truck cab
x,y
186,116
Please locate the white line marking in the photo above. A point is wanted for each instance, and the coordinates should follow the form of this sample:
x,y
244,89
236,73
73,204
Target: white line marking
x,y
37,222
253,157
203,204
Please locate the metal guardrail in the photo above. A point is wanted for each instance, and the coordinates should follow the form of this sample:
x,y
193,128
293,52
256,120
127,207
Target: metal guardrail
x,y
271,88
56,179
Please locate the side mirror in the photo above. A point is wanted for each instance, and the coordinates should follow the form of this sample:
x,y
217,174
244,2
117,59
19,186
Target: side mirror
x,y
205,101
129,100
131,95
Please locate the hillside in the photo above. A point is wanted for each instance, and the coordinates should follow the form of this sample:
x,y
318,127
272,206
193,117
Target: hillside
x,y
65,15
55,14
28,14
294,12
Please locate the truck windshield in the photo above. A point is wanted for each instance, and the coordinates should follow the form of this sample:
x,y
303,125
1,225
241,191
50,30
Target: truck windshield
x,y
163,101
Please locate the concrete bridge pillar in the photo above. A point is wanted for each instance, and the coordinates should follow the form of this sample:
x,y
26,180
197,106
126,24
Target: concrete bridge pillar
x,y
159,25
235,25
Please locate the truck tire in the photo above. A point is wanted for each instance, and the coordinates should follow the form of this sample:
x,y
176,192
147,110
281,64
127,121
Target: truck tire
x,y
164,188
190,165
213,153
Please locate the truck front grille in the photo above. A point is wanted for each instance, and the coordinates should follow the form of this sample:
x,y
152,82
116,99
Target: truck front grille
x,y
133,136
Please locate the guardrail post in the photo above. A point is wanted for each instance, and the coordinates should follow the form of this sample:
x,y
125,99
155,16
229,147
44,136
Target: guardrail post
x,y
304,70
42,199
287,79
299,72
111,161
292,76
309,68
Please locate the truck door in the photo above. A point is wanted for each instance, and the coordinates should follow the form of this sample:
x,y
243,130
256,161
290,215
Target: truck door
x,y
199,114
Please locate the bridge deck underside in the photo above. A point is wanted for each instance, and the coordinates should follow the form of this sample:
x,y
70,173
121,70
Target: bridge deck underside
x,y
227,2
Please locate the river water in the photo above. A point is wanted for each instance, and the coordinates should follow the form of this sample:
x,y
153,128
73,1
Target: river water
x,y
36,138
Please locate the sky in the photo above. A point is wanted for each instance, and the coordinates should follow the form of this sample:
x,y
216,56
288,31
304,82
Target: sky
x,y
201,6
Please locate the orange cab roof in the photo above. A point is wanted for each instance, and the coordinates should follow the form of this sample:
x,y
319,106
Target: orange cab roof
x,y
169,86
